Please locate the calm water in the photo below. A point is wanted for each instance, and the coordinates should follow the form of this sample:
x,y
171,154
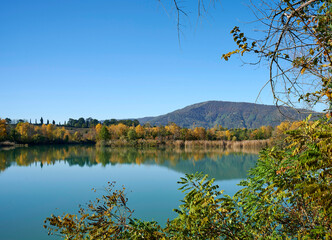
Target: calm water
x,y
38,181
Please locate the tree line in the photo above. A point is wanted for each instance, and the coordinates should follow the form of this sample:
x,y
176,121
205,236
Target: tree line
x,y
77,123
174,132
26,133
90,122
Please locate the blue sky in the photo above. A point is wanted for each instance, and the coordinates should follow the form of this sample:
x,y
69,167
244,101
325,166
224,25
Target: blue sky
x,y
119,59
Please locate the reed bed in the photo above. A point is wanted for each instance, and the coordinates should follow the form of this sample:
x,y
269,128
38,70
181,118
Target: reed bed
x,y
195,144
234,145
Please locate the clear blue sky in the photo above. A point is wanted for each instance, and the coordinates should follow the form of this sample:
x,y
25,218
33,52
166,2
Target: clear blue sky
x,y
118,59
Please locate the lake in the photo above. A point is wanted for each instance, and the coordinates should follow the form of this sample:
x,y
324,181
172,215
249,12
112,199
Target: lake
x,y
38,181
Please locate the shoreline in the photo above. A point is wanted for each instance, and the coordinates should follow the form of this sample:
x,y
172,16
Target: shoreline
x,y
213,144
156,144
11,145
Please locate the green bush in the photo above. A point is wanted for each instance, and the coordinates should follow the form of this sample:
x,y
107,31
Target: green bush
x,y
104,134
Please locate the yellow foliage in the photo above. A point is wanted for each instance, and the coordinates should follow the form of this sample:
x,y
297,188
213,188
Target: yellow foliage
x,y
228,135
121,128
49,130
139,131
295,125
25,129
117,131
284,126
199,133
77,136
44,130
98,127
174,130
60,133
220,135
155,130
3,132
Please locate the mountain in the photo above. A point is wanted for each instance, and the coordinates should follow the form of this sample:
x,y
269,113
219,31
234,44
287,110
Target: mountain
x,y
227,114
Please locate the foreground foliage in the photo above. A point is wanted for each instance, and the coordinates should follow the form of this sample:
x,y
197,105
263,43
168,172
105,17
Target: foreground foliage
x,y
286,196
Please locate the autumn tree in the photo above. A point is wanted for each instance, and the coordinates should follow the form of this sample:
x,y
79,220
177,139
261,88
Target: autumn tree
x,y
25,130
297,46
49,131
139,131
3,129
121,130
199,133
185,134
98,127
78,136
60,133
174,130
211,134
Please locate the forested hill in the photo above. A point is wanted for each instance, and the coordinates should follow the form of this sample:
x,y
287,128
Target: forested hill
x,y
227,114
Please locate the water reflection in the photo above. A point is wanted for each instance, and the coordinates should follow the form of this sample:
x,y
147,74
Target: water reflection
x,y
217,163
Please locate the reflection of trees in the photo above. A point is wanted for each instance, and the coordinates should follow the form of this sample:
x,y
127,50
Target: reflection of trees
x,y
42,154
217,163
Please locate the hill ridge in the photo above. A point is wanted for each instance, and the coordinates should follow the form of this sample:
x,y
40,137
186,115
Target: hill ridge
x,y
227,114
